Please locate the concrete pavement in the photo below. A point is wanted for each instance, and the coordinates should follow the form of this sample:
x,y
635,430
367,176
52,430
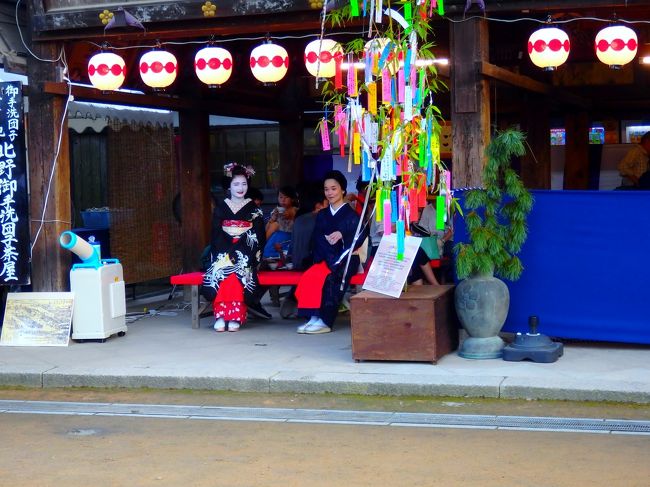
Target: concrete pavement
x,y
163,351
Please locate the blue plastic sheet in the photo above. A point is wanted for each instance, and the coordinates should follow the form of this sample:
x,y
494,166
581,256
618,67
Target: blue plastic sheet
x,y
586,266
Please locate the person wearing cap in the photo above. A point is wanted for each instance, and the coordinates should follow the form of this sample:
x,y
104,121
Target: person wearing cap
x,y
322,286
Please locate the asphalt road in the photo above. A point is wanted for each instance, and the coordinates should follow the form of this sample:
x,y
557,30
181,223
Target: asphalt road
x,y
80,451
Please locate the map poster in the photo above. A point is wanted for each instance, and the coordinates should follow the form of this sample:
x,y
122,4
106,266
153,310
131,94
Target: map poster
x,y
37,320
387,275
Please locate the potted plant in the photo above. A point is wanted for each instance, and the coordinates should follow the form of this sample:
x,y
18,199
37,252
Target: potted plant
x,y
496,228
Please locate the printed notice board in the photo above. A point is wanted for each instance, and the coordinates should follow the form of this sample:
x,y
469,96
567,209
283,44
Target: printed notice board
x,y
387,275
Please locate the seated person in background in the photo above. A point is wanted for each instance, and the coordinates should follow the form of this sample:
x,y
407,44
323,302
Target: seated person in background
x,y
312,201
428,222
255,195
635,162
280,225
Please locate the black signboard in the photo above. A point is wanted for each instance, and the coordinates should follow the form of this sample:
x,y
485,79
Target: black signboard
x,y
14,214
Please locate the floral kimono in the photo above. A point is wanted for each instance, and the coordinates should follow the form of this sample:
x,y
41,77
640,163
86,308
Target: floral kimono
x,y
237,239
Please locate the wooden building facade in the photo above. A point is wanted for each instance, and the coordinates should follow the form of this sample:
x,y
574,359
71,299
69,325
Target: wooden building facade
x,y
492,84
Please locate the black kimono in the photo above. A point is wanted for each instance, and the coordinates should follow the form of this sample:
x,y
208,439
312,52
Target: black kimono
x,y
345,220
235,249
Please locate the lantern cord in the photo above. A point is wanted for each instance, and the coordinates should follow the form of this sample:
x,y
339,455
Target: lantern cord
x,y
545,21
22,39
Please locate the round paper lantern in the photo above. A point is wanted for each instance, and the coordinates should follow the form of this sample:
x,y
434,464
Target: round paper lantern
x,y
321,56
269,62
549,47
616,45
106,71
213,65
158,69
376,48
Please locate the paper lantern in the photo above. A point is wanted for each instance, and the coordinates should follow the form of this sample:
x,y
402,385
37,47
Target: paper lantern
x,y
106,71
616,45
321,56
269,62
213,65
158,69
549,47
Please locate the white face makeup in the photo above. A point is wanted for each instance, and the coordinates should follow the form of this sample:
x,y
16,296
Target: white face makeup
x,y
238,188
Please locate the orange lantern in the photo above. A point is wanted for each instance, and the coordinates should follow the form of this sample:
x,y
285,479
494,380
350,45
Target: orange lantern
x,y
213,65
158,69
269,62
549,47
321,56
616,45
106,71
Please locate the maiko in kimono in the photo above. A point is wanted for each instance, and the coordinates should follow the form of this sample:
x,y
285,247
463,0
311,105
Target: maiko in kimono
x,y
238,237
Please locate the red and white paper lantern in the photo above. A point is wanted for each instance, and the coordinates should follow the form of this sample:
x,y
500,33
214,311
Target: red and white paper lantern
x,y
269,62
549,47
213,65
106,71
321,57
616,45
158,69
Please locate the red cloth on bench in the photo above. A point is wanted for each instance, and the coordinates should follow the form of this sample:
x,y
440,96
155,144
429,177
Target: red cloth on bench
x,y
309,292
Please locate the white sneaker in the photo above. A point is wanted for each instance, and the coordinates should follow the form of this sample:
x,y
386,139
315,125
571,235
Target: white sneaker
x,y
317,328
233,326
312,320
220,325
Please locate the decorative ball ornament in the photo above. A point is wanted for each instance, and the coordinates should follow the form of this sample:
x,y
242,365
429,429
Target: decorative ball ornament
x,y
158,69
549,47
321,56
106,71
616,45
213,65
269,62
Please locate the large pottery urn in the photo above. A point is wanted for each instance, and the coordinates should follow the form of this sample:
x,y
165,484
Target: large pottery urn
x,y
482,303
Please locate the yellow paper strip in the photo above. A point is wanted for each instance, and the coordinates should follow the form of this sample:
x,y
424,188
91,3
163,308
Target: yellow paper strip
x,y
372,98
357,147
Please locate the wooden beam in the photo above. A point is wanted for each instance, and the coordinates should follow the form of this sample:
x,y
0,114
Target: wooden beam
x,y
576,165
46,121
529,84
195,186
470,102
458,6
216,106
76,17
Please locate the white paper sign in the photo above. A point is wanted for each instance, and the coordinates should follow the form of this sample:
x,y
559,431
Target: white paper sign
x,y
387,275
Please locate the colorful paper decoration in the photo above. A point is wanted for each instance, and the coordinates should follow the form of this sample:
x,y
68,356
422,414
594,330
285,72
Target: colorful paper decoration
x,y
616,45
106,71
213,65
269,62
321,56
549,47
158,68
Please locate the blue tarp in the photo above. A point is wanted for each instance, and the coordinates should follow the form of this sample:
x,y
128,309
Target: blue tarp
x,y
586,266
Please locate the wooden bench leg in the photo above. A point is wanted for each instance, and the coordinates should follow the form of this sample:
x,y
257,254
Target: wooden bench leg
x,y
195,306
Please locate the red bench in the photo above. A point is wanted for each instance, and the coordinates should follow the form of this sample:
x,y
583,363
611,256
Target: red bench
x,y
266,278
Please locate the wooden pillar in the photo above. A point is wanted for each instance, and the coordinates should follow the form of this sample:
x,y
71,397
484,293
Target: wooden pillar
x,y
291,151
470,101
45,122
196,209
576,165
535,122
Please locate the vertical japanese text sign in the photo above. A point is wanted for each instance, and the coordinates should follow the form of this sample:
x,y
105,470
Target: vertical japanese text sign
x,y
14,217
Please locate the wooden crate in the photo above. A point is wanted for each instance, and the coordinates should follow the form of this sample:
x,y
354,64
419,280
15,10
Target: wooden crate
x,y
419,326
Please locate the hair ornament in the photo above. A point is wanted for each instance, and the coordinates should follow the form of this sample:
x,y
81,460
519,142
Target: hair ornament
x,y
228,168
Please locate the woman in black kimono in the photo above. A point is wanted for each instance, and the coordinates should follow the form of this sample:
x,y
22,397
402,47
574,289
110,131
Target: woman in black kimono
x,y
237,239
319,292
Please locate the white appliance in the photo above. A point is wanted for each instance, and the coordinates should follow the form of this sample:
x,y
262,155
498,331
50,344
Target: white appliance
x,y
99,302
99,293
